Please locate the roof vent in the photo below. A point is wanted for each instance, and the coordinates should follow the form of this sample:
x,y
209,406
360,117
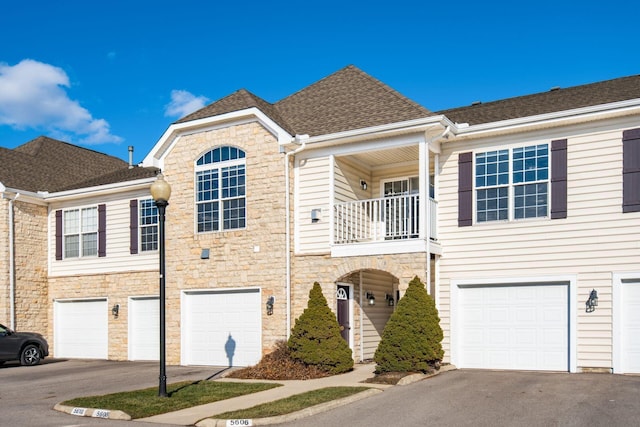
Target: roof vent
x,y
554,88
476,103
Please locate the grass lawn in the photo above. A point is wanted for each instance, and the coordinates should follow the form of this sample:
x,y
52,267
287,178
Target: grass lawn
x,y
292,403
145,403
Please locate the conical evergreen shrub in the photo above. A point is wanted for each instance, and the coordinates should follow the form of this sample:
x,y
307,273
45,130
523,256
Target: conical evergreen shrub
x,y
412,338
315,338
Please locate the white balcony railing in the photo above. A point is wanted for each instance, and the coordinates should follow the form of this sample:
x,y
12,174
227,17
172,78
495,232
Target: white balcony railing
x,y
374,220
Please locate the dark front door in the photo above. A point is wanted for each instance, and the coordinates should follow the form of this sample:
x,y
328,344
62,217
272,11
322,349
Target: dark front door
x,y
343,311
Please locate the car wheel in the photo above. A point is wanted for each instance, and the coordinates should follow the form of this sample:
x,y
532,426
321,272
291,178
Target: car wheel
x,y
30,355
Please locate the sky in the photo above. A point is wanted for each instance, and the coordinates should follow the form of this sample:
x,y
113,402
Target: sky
x,y
108,74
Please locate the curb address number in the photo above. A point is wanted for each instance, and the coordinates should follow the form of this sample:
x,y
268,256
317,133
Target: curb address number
x,y
239,423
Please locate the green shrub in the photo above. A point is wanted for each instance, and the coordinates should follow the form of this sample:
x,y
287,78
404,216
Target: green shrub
x,y
315,338
411,340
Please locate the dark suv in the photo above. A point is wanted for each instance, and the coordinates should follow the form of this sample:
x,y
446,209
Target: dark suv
x,y
27,347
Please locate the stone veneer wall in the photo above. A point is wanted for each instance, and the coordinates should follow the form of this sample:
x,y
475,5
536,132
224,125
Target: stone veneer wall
x,y
326,270
117,287
31,267
250,257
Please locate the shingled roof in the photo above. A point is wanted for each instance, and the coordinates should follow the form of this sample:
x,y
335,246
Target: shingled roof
x,y
46,164
346,100
555,100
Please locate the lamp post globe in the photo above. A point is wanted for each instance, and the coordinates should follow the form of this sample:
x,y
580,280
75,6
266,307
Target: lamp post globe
x,y
161,191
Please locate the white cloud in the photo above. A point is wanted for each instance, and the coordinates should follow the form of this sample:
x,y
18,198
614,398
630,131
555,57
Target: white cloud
x,y
183,103
33,95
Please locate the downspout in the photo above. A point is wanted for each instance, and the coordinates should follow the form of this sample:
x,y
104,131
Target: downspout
x,y
12,265
302,140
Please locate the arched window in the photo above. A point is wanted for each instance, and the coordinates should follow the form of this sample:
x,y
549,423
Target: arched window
x,y
221,190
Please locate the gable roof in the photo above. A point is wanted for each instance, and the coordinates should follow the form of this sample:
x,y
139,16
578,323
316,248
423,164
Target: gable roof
x,y
46,164
347,99
555,100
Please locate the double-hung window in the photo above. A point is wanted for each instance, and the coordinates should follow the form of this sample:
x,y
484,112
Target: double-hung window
x,y
81,232
512,183
148,225
221,190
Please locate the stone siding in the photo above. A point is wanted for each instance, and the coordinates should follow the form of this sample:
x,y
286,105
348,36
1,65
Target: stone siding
x,y
249,257
30,226
117,288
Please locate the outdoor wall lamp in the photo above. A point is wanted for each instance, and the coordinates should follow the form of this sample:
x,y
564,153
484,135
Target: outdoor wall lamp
x,y
592,302
371,298
390,300
115,310
270,301
315,215
363,184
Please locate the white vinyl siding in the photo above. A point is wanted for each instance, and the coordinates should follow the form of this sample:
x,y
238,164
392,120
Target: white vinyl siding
x,y
594,239
118,257
312,192
374,318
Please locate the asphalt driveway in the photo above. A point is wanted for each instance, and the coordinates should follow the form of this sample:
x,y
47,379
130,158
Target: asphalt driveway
x,y
28,393
496,398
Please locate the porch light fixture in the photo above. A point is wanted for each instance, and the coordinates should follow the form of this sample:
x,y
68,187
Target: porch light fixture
x,y
115,310
270,301
363,184
390,300
371,298
592,302
161,191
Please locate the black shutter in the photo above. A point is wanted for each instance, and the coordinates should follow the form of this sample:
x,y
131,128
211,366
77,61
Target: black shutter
x,y
465,189
58,235
102,230
559,179
631,170
133,226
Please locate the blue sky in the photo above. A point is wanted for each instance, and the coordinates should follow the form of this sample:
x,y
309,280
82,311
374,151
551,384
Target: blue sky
x,y
106,75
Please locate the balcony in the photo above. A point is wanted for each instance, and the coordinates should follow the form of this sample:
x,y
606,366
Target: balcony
x,y
384,225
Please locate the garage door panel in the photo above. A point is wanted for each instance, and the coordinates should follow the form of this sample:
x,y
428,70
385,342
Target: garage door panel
x,y
219,323
630,327
81,329
144,328
522,327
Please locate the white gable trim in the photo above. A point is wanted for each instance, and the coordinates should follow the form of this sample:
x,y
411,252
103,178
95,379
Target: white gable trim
x,y
158,153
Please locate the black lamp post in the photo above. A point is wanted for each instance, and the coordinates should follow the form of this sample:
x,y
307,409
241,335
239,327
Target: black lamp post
x,y
161,191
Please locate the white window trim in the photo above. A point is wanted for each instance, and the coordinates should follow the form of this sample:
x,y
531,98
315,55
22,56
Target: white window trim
x,y
510,187
218,166
140,226
79,233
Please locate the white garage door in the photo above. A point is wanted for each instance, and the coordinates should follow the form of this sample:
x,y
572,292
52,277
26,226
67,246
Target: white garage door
x,y
514,327
630,326
81,329
222,328
144,328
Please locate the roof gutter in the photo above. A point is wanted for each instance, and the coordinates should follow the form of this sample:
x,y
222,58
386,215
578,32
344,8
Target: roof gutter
x,y
97,190
301,140
416,125
559,117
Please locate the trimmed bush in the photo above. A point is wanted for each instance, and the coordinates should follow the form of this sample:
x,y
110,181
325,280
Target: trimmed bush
x,y
411,340
315,338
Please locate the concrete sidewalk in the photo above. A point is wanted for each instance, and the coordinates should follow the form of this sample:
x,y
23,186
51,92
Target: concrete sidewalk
x,y
193,416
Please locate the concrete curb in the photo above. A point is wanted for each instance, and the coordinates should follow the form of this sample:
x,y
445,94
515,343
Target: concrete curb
x,y
93,412
312,410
